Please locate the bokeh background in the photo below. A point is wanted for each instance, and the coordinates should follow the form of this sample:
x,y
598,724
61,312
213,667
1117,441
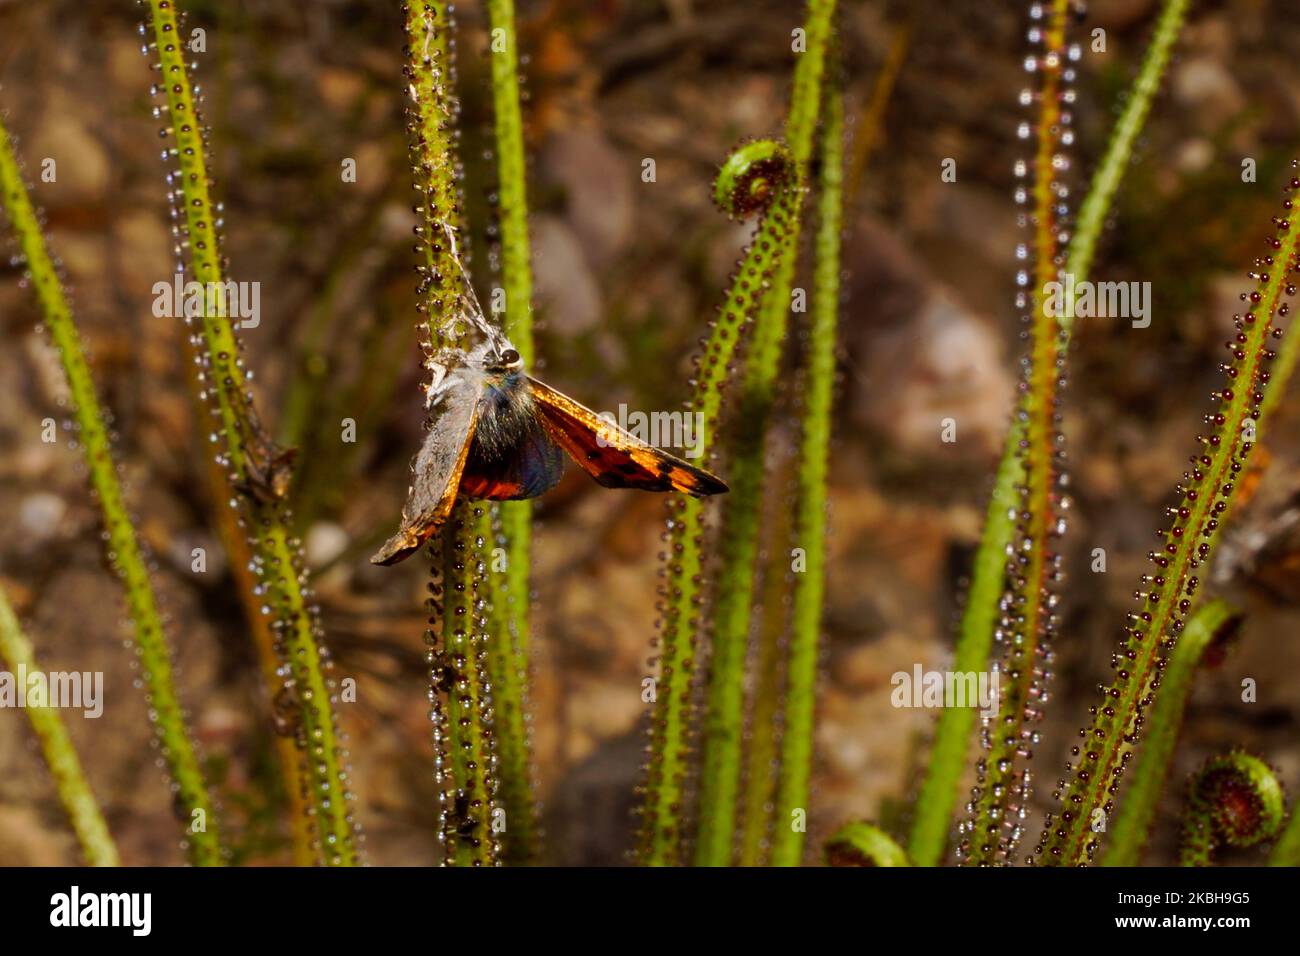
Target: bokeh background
x,y
628,273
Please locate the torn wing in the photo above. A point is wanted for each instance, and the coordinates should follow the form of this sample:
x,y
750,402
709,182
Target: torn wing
x,y
437,467
613,456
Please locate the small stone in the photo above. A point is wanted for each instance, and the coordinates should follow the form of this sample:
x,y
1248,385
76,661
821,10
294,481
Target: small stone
x,y
324,542
40,515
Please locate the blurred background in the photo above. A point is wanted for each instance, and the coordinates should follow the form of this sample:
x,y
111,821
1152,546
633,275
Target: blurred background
x,y
628,274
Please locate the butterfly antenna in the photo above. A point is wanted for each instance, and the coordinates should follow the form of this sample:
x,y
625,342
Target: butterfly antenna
x,y
475,313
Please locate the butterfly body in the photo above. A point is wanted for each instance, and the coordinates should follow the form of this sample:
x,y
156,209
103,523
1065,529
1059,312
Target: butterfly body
x,y
496,433
511,455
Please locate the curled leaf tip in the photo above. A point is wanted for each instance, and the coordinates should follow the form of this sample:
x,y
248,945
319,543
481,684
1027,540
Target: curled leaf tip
x,y
863,844
752,176
1234,800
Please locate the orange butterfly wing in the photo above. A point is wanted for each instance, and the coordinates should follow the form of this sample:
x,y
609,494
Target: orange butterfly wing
x,y
613,456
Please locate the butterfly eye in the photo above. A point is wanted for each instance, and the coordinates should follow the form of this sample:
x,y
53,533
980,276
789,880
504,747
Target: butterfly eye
x,y
509,356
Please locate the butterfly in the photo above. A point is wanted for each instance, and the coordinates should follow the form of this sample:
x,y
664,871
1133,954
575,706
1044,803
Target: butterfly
x,y
497,433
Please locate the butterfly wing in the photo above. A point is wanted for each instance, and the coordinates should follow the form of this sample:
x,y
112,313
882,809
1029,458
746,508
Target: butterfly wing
x,y
612,455
534,466
436,469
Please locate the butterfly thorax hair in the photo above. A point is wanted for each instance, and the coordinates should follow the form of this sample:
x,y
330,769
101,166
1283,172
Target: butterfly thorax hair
x,y
506,416
505,412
